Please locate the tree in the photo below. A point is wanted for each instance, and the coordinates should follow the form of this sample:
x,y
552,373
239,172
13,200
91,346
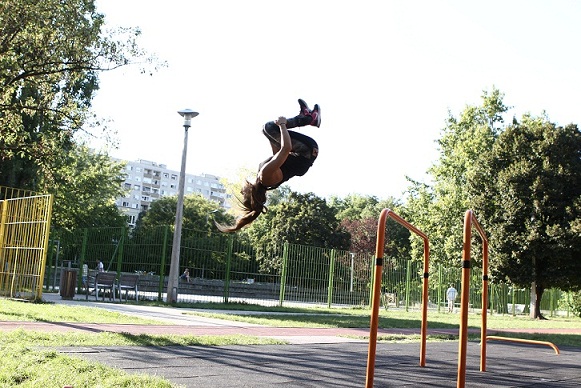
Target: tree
x,y
438,209
528,192
359,216
301,219
85,186
199,214
51,53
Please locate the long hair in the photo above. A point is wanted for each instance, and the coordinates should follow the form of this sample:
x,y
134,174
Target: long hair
x,y
252,204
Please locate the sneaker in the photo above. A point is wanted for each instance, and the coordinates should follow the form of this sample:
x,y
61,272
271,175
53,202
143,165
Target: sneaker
x,y
316,115
305,110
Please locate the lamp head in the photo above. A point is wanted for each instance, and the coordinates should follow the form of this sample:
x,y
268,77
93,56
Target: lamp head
x,y
188,115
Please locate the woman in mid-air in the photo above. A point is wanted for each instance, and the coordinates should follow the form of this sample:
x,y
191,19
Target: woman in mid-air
x,y
292,155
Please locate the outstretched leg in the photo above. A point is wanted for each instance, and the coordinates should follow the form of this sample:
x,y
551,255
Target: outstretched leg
x,y
301,144
306,117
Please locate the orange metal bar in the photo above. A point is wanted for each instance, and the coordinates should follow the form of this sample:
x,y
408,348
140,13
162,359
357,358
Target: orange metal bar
x,y
376,299
469,222
377,292
525,341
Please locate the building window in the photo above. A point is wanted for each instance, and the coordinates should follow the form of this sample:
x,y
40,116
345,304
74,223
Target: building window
x,y
125,204
174,177
136,187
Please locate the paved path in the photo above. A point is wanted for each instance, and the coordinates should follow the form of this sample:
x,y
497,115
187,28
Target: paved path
x,y
316,357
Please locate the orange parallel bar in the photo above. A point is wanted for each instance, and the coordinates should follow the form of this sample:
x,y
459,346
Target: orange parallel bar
x,y
371,354
469,222
525,341
376,299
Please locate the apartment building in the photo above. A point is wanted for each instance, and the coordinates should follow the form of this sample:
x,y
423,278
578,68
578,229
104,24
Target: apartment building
x,y
147,181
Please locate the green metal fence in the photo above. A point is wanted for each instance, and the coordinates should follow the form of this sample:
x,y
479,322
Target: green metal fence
x,y
225,268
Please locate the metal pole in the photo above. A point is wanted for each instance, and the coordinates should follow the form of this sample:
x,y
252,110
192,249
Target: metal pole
x,y
172,284
173,280
351,280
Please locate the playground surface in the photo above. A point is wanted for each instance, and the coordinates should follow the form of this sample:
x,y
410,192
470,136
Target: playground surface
x,y
314,357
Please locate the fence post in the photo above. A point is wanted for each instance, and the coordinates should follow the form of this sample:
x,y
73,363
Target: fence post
x,y
408,280
120,250
491,298
372,261
331,274
439,286
83,254
162,265
283,273
513,301
228,265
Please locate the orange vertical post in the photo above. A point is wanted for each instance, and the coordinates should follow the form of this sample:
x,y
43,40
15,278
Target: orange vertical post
x,y
376,299
469,221
483,330
464,297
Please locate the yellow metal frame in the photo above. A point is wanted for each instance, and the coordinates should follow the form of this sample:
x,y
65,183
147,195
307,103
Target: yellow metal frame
x,y
24,234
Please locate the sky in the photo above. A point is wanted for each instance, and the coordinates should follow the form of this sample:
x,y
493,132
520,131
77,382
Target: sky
x,y
386,74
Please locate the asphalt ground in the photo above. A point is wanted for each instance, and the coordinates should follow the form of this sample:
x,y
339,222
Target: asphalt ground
x,y
313,358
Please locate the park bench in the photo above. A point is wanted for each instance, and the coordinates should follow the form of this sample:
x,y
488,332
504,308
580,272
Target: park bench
x,y
128,282
104,281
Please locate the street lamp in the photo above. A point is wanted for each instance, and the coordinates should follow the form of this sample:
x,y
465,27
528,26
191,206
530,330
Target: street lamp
x,y
209,214
174,269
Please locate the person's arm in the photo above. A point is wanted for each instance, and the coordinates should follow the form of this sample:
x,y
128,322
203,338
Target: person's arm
x,y
270,174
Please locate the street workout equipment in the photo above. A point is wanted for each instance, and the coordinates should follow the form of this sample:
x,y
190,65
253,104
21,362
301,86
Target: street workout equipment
x,y
376,301
470,221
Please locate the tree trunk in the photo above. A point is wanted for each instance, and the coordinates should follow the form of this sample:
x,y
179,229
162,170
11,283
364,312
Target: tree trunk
x,y
536,296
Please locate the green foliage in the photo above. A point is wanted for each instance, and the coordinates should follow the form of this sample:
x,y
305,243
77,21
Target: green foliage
x,y
199,213
300,219
438,209
51,53
358,207
575,303
528,192
85,186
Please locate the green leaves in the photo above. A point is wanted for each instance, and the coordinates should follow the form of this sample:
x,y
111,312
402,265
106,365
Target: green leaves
x,y
531,208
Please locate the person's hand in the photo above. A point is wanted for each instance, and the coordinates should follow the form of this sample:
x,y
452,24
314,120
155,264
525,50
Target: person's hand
x,y
280,121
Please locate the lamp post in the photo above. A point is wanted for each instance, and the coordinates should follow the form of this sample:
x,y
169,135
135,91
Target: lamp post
x,y
174,269
209,214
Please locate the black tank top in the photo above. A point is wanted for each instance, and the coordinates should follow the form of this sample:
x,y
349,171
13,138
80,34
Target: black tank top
x,y
294,165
